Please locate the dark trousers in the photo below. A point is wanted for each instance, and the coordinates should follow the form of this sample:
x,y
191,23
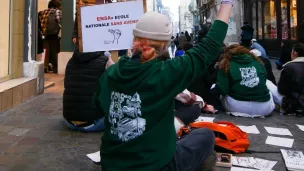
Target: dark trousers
x,y
52,46
192,150
187,113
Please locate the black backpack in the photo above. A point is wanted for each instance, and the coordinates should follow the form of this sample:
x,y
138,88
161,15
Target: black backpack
x,y
52,26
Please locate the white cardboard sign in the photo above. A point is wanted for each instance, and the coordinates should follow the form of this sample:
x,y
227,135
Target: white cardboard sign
x,y
110,26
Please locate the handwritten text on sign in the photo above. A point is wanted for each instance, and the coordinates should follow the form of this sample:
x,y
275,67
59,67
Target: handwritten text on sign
x,y
109,26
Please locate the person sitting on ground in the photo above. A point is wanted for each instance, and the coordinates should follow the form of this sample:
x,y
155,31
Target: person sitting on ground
x,y
241,81
257,46
267,65
81,81
188,107
202,85
291,84
136,96
179,52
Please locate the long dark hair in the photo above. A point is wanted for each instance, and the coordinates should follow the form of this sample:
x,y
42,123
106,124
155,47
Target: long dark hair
x,y
187,36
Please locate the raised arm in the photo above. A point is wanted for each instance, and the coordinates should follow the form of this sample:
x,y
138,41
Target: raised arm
x,y
178,73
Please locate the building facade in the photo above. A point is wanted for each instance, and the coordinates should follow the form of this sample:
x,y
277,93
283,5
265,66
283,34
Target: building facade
x,y
185,17
275,21
16,46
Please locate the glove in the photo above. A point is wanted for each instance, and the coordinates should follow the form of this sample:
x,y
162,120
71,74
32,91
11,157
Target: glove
x,y
231,2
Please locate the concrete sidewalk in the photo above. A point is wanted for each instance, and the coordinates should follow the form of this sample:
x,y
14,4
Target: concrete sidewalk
x,y
33,137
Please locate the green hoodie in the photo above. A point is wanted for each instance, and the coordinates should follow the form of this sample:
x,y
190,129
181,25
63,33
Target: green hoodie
x,y
245,81
137,100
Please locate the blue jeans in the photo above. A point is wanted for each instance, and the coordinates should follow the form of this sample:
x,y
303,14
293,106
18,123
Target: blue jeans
x,y
97,126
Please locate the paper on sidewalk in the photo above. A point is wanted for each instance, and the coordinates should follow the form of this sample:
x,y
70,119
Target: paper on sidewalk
x,y
278,131
243,169
283,142
294,160
249,129
205,119
301,127
95,156
255,163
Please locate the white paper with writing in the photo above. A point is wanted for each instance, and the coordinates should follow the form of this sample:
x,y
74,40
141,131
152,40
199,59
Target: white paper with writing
x,y
251,162
278,131
283,142
95,157
294,160
205,119
249,129
110,26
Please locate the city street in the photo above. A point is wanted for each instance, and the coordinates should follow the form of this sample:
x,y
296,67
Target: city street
x,y
33,137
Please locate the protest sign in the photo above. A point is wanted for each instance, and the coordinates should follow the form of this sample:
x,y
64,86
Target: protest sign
x,y
109,27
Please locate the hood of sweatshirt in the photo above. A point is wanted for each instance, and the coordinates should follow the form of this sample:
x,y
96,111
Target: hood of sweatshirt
x,y
242,59
131,73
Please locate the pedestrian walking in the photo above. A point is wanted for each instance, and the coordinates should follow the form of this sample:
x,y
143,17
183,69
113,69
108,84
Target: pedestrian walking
x,y
51,26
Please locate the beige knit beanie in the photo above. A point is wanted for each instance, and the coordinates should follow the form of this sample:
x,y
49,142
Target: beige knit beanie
x,y
153,26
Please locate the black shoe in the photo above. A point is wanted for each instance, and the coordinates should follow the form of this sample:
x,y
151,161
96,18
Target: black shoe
x,y
209,163
45,70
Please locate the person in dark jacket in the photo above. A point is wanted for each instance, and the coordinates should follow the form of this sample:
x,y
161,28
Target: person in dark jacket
x,y
267,65
81,81
285,54
291,83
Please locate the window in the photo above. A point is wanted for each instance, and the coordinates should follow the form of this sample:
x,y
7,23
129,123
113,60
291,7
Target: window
x,y
293,19
254,19
284,16
260,19
270,19
4,38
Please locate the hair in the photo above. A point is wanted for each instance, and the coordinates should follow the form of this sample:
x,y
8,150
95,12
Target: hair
x,y
182,32
149,49
299,48
179,48
172,37
234,50
54,4
187,36
187,46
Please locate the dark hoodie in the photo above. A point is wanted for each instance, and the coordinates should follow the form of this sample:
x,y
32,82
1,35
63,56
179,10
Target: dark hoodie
x,y
138,102
81,81
245,81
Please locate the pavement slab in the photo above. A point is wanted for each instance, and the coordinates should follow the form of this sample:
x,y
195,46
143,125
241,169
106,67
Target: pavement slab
x,y
34,138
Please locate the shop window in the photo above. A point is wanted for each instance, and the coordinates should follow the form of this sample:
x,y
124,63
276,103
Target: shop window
x,y
270,19
284,16
260,19
254,19
4,38
293,19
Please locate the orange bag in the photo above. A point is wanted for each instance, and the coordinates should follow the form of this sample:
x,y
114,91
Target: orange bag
x,y
229,138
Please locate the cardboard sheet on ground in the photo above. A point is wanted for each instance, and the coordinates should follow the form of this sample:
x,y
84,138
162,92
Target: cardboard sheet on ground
x,y
254,163
301,127
205,119
278,131
282,142
95,157
249,129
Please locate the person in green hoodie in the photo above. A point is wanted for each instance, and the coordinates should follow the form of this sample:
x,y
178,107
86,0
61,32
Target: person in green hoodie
x,y
241,81
136,97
